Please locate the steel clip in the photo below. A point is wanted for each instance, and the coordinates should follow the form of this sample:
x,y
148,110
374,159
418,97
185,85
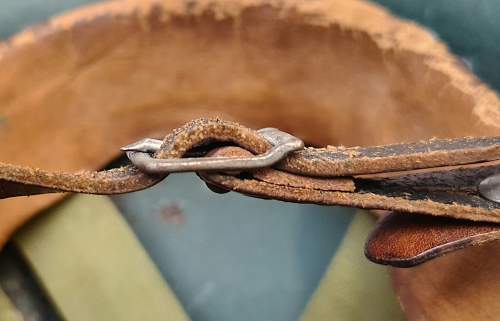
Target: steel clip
x,y
489,188
140,154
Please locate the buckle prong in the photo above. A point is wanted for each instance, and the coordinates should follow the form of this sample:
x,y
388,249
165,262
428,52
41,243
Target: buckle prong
x,y
140,155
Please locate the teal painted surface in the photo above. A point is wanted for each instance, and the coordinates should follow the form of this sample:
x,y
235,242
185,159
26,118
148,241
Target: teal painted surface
x,y
230,257
471,28
16,15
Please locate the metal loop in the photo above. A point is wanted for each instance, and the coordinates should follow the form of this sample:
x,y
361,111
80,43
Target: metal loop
x,y
283,143
489,188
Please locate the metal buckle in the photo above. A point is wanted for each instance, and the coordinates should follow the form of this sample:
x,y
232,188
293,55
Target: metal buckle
x,y
489,188
140,152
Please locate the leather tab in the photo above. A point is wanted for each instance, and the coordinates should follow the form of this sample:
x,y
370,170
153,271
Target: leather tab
x,y
406,240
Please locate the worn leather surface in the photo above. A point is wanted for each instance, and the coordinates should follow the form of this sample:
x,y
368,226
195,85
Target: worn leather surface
x,y
446,192
75,90
107,76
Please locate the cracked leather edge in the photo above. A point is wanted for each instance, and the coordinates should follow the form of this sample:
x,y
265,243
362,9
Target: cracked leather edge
x,y
342,161
21,181
366,200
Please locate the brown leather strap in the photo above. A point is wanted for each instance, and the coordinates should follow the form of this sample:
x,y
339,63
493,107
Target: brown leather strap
x,y
20,180
437,191
388,194
358,177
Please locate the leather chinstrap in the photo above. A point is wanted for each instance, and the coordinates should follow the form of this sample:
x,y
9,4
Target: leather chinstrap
x,y
364,177
437,177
